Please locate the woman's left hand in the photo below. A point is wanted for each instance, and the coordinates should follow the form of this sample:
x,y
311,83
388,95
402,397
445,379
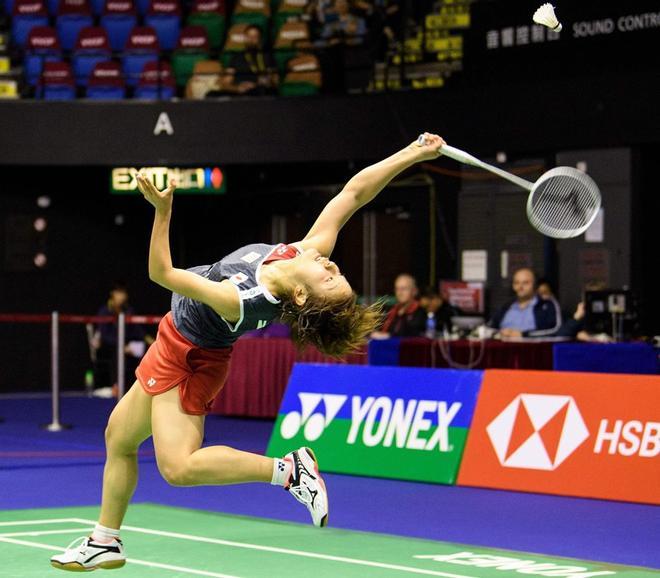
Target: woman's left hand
x,y
161,200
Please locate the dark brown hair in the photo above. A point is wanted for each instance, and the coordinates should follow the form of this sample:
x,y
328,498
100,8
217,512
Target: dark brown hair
x,y
333,327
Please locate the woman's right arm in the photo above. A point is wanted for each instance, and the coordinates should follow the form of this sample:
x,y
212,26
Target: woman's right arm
x,y
221,297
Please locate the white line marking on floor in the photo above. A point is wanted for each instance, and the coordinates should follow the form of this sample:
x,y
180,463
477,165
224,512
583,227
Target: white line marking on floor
x,y
129,561
180,569
49,521
287,551
85,531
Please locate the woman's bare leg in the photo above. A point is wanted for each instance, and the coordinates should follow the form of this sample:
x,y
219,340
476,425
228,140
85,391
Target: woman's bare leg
x,y
181,460
129,425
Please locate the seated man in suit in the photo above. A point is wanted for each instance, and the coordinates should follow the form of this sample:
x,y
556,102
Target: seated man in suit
x,y
528,315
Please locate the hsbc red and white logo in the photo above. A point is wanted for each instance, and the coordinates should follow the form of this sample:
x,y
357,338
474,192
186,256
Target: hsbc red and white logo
x,y
537,431
579,434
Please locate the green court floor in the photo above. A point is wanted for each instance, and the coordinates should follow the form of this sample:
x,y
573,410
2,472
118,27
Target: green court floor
x,y
167,542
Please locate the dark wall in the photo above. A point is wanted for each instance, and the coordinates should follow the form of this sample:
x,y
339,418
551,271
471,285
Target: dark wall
x,y
88,248
610,261
548,114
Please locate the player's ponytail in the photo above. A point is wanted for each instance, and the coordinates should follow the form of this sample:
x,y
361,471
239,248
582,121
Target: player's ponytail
x,y
333,327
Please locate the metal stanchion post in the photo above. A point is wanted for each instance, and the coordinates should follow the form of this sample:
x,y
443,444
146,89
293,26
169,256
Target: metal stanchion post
x,y
121,359
55,424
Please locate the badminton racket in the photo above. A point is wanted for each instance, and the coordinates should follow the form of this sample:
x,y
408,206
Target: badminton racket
x,y
562,202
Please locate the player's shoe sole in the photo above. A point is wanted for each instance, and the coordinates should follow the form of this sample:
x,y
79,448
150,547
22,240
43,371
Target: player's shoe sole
x,y
76,567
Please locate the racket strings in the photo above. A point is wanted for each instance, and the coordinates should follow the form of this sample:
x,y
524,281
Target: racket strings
x,y
563,202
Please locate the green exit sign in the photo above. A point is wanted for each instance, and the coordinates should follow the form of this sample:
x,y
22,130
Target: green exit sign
x,y
198,180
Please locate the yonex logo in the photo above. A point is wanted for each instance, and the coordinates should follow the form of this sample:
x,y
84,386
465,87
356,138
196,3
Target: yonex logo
x,y
313,424
151,382
537,432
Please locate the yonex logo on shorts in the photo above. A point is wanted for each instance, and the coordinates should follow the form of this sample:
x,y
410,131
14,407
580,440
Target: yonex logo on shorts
x,y
238,278
537,432
151,382
313,425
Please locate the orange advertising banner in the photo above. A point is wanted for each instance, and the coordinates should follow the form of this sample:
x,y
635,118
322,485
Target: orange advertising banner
x,y
577,434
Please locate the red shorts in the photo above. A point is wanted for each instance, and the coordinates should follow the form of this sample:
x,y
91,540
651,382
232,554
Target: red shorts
x,y
173,360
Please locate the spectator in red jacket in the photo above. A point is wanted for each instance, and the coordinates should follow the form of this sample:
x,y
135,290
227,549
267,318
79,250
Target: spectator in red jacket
x,y
406,318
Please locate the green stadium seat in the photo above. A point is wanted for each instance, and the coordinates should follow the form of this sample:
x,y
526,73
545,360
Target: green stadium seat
x,y
192,47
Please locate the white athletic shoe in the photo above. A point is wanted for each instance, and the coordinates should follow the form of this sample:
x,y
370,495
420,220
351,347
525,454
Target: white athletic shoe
x,y
307,486
85,555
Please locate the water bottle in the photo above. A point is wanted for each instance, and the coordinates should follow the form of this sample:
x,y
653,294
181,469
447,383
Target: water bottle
x,y
89,382
430,326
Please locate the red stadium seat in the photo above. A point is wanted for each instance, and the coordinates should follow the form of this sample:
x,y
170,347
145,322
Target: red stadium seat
x,y
42,46
73,16
119,18
92,47
165,18
106,82
142,47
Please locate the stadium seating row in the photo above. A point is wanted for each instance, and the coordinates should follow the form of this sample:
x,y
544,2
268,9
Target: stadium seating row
x,y
134,42
157,81
94,44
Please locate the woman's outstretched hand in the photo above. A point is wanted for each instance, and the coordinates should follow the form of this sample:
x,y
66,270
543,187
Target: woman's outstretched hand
x,y
431,148
161,200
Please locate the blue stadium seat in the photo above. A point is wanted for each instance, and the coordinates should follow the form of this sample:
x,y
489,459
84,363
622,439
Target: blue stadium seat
x,y
73,16
164,16
119,18
97,6
26,15
91,48
156,82
56,82
142,47
106,82
42,46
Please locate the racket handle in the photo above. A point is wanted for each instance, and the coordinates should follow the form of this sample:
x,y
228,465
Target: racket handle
x,y
460,156
454,153
468,159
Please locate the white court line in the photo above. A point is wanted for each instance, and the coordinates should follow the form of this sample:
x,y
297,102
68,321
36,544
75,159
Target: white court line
x,y
48,521
46,532
129,561
287,551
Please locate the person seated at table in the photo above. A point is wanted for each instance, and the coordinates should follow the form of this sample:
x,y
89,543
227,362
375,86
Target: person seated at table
x,y
528,315
435,305
406,318
574,327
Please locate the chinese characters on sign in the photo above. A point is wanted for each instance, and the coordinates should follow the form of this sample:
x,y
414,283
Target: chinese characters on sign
x,y
519,36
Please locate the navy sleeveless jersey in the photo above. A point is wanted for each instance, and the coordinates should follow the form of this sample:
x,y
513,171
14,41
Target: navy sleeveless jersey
x,y
201,325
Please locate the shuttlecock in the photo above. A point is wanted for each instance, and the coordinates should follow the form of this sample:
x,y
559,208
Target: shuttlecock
x,y
545,15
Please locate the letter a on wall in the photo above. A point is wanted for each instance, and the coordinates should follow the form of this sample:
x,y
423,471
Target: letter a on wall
x,y
163,124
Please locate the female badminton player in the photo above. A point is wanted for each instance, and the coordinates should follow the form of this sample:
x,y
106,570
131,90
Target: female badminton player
x,y
186,367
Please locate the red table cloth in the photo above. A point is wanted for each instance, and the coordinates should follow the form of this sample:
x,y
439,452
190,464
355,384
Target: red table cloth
x,y
259,372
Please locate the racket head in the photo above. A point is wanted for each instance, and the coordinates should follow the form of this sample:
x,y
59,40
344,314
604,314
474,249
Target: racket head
x,y
563,203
